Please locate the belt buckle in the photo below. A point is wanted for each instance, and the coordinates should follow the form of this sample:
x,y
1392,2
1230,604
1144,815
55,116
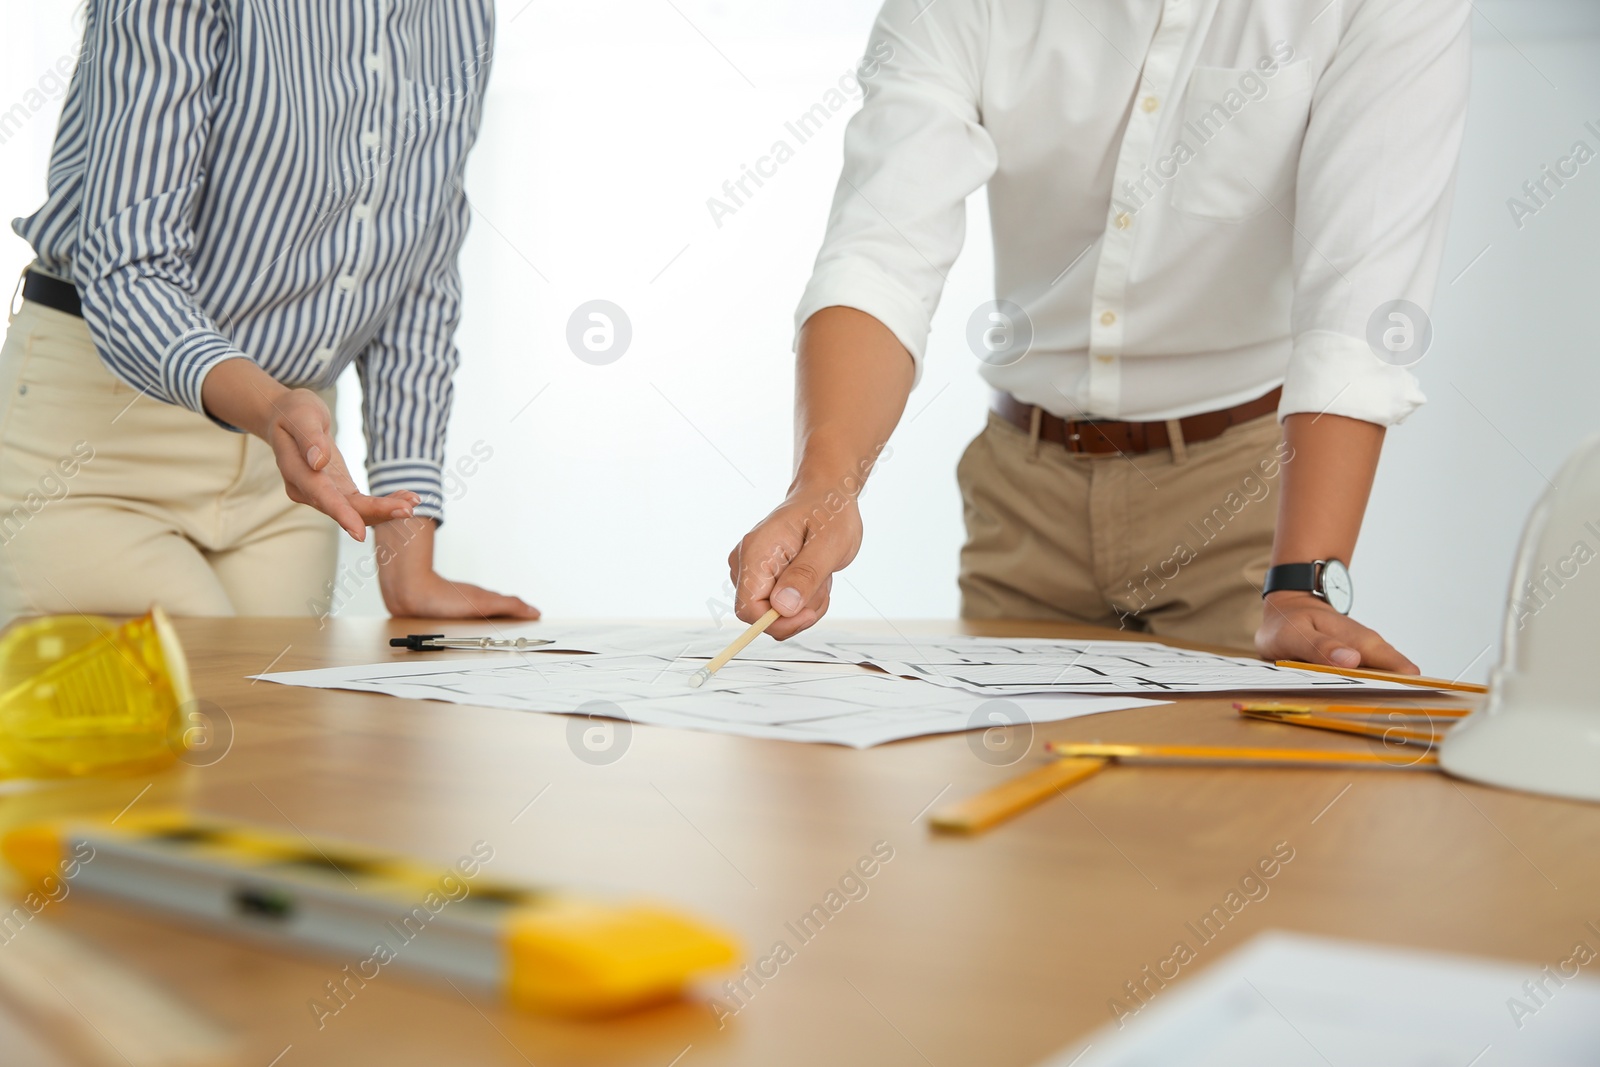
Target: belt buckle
x,y
1073,435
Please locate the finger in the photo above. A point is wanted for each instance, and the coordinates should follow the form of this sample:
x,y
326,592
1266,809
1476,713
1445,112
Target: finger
x,y
807,575
1332,649
1343,642
784,629
755,564
380,509
405,504
807,618
1389,658
308,422
315,489
471,601
1375,652
497,606
1294,634
325,498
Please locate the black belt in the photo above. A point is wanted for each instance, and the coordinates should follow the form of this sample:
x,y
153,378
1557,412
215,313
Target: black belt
x,y
51,293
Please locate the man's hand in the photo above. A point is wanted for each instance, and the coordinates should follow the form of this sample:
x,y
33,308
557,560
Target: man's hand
x,y
788,561
852,377
1329,462
1300,626
413,589
299,428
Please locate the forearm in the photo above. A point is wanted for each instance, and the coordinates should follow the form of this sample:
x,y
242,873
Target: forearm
x,y
853,378
1326,481
404,550
240,393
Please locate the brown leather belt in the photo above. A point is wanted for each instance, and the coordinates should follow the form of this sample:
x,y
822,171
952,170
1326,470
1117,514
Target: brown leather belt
x,y
1106,437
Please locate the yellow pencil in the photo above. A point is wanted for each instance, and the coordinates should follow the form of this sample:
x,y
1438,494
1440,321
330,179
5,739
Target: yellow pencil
x,y
1229,755
1394,711
757,628
1383,731
982,810
1386,676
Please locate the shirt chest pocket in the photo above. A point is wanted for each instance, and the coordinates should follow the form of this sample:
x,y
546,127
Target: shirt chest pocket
x,y
1243,133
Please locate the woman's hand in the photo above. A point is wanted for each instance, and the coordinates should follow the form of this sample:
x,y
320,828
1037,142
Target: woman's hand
x,y
299,428
413,589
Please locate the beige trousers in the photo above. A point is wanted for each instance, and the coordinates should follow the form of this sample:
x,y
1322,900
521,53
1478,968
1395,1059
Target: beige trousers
x,y
111,501
1174,543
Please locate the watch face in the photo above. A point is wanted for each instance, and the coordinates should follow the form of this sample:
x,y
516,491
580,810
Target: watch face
x,y
1336,586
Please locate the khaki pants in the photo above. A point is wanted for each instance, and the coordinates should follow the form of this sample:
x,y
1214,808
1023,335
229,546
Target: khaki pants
x,y
1175,547
111,501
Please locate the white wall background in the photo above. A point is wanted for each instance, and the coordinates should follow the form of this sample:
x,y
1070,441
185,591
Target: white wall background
x,y
618,490
1514,374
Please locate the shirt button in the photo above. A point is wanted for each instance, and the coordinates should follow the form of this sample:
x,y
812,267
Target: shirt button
x,y
362,211
1104,359
1150,103
371,139
1107,318
322,355
375,63
346,282
1124,220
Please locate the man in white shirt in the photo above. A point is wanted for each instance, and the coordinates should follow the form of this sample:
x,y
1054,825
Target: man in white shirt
x,y
1217,224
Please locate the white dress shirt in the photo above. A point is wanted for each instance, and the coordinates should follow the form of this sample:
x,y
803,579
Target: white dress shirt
x,y
1193,201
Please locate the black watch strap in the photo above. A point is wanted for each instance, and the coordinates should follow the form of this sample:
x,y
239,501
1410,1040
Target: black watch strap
x,y
1298,577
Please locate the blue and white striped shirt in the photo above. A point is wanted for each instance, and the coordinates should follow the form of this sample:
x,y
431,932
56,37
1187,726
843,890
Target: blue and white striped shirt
x,y
280,181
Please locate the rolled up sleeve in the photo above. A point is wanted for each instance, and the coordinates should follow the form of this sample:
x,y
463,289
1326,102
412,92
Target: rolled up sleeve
x,y
912,155
1376,179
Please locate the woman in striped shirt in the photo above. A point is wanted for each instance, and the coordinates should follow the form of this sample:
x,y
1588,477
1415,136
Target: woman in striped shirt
x,y
243,200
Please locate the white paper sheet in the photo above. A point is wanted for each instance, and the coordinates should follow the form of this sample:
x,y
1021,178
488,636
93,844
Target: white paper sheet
x,y
670,643
1014,666
825,703
1288,1000
991,666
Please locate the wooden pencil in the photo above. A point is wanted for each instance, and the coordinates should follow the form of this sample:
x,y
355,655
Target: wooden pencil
x,y
1398,711
1386,676
1383,731
759,627
1229,755
983,810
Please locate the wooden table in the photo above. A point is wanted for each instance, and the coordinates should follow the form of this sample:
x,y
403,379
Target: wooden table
x,y
995,950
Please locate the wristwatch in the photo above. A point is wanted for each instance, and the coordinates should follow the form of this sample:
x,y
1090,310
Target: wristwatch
x,y
1325,578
